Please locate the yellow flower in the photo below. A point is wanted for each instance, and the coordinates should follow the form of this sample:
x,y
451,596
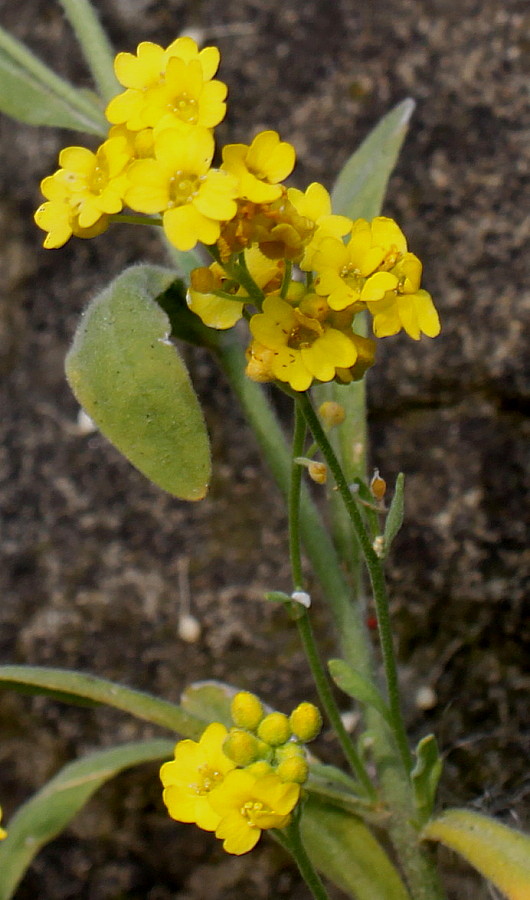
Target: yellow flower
x,y
260,167
84,191
358,271
196,770
217,312
407,306
175,84
179,183
315,204
303,345
248,805
3,832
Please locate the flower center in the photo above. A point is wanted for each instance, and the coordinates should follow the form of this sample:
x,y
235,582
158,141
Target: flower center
x,y
304,333
183,187
209,778
390,259
251,809
100,177
186,108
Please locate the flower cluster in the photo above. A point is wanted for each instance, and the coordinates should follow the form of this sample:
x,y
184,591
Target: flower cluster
x,y
241,781
282,259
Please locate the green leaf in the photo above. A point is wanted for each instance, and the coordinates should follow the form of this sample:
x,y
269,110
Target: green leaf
x,y
499,853
345,851
426,775
76,687
209,701
49,811
129,377
394,519
34,94
361,185
355,685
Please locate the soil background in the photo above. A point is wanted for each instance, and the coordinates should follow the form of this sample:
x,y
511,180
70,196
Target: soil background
x,y
92,552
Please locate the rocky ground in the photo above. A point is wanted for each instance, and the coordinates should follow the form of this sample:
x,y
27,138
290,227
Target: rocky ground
x,y
92,553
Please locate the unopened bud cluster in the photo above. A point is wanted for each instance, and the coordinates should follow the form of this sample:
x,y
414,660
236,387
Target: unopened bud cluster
x,y
271,742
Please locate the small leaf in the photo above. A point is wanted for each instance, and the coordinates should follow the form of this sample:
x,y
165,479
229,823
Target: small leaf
x,y
426,775
345,851
34,94
49,811
76,687
361,185
394,519
356,685
209,701
499,853
131,381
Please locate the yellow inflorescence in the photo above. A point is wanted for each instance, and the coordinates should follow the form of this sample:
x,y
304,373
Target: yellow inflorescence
x,y
299,273
242,781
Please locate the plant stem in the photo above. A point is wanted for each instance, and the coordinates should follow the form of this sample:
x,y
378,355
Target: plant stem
x,y
127,219
375,571
95,45
303,622
291,840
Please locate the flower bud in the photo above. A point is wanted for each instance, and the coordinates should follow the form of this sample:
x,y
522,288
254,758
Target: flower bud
x,y
246,710
241,747
293,769
378,486
306,721
274,729
318,472
260,768
332,413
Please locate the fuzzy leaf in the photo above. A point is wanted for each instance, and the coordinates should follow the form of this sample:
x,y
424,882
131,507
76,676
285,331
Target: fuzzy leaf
x,y
394,519
345,851
78,688
499,853
426,775
361,185
34,94
130,379
209,701
49,811
355,685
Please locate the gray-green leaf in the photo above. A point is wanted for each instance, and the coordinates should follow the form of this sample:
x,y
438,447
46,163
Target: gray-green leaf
x,y
34,94
426,775
345,851
361,185
355,685
88,690
49,811
129,377
394,519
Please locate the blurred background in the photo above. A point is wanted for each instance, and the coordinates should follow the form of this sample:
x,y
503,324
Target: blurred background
x,y
97,563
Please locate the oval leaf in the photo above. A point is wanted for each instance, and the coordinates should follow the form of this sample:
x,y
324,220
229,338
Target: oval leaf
x,y
345,851
499,853
394,519
131,381
49,811
76,687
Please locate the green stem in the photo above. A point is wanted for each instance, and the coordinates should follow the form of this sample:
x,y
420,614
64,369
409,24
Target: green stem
x,y
303,622
290,840
126,219
352,637
94,44
377,578
92,118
